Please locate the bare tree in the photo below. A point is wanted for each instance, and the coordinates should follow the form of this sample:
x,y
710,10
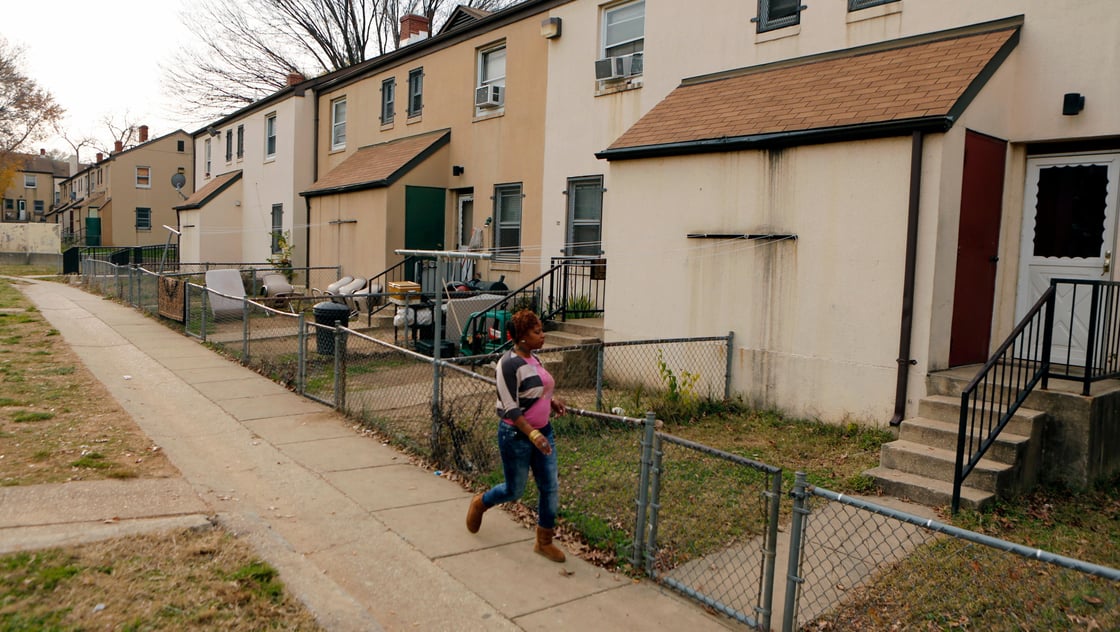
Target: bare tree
x,y
27,112
245,49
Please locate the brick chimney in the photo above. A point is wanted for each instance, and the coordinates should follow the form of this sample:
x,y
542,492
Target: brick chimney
x,y
414,28
143,133
42,152
295,78
100,156
118,147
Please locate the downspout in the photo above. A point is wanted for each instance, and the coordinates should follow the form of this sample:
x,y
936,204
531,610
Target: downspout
x,y
314,177
904,359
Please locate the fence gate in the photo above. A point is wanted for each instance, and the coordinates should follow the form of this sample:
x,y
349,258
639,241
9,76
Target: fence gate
x,y
724,559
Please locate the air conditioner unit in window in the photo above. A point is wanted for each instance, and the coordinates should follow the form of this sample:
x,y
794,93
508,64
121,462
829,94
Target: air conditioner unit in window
x,y
611,68
489,96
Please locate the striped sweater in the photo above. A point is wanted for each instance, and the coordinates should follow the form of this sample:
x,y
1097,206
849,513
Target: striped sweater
x,y
520,386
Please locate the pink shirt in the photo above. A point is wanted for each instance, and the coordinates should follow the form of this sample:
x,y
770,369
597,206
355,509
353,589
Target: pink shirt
x,y
539,413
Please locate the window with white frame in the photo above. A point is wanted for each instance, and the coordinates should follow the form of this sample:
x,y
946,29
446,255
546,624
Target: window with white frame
x,y
856,5
229,145
585,217
388,100
277,226
143,177
776,14
143,218
624,29
491,78
270,136
507,224
415,91
206,154
240,142
338,123
30,181
39,207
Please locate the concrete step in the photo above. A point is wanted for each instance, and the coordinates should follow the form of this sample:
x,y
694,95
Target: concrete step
x,y
560,338
948,409
1008,448
927,491
939,464
586,327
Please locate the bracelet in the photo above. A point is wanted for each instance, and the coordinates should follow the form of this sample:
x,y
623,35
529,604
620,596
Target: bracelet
x,y
534,434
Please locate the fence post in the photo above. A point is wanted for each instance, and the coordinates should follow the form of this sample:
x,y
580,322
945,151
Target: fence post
x,y
339,366
643,490
730,357
796,534
244,330
654,505
205,307
770,553
599,376
437,376
301,355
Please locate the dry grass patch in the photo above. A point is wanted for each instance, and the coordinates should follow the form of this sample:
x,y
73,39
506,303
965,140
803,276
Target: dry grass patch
x,y
57,422
200,579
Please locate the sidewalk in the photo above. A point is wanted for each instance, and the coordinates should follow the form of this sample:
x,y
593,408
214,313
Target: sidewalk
x,y
365,539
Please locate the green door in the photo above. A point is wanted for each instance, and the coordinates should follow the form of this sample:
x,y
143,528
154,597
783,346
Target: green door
x,y
423,220
93,231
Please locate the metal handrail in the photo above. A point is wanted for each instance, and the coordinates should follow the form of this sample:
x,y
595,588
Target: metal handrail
x,y
1102,343
990,401
530,293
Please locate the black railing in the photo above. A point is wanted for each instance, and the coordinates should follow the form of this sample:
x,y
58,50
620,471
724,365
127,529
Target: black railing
x,y
580,286
1090,335
992,397
484,331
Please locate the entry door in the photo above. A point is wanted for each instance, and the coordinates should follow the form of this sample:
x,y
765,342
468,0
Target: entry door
x,y
977,248
465,230
1069,223
423,221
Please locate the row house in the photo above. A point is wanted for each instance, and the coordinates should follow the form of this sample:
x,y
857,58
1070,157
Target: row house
x,y
32,190
125,198
864,191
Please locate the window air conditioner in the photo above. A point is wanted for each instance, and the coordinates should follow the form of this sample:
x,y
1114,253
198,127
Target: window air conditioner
x,y
611,68
489,96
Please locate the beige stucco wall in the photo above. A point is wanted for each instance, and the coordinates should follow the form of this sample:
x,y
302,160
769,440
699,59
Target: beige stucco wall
x,y
164,159
30,238
506,146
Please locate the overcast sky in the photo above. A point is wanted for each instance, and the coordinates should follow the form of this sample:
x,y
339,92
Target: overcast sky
x,y
100,58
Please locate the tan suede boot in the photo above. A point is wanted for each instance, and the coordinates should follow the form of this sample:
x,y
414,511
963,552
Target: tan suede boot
x,y
474,514
545,547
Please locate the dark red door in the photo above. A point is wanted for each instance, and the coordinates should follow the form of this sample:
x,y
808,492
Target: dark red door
x,y
977,248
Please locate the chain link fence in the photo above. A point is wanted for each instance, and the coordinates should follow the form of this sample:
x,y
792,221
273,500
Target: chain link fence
x,y
856,565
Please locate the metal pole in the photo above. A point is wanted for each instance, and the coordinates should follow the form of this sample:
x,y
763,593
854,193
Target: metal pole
x,y
301,355
796,533
643,490
244,330
205,306
770,552
730,358
601,356
339,367
654,506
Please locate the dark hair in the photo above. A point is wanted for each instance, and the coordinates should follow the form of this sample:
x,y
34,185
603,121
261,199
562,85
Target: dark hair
x,y
523,322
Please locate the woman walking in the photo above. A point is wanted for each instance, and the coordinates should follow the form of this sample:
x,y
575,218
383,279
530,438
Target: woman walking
x,y
525,440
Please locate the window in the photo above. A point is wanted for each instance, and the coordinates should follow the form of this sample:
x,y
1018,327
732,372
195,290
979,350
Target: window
x,y
338,123
624,29
585,217
507,228
491,72
143,218
415,91
229,145
30,181
277,226
240,142
180,145
206,153
143,177
270,136
855,5
388,99
776,14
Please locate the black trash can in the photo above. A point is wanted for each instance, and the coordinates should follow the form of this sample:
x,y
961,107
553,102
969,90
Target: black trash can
x,y
328,313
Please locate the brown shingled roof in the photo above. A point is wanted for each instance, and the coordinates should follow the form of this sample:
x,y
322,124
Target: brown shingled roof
x,y
379,165
908,82
201,197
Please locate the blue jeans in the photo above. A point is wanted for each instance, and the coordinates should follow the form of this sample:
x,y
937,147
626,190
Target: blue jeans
x,y
519,455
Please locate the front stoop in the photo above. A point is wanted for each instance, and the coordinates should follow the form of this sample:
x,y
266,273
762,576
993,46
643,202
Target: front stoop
x,y
920,464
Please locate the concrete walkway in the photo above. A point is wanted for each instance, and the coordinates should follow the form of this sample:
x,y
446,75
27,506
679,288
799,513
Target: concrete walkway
x,y
365,539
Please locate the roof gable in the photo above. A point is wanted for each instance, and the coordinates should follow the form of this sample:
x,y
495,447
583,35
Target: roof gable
x,y
213,189
379,165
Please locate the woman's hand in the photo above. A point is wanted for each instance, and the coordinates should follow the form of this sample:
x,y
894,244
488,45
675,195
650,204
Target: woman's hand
x,y
541,442
558,407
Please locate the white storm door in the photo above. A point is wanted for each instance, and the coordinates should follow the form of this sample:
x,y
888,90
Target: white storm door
x,y
1069,223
